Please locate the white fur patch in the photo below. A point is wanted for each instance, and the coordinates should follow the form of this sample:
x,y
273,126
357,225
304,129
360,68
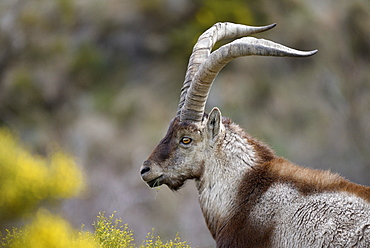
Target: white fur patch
x,y
329,219
223,175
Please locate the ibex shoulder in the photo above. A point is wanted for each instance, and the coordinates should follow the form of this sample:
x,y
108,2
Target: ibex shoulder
x,y
310,181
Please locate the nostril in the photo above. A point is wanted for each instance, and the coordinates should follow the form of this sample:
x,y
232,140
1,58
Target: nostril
x,y
144,170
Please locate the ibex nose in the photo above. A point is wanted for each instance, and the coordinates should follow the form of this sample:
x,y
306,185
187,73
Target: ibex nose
x,y
145,168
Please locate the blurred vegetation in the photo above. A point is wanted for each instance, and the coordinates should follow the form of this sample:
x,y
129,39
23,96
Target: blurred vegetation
x,y
27,181
47,230
102,80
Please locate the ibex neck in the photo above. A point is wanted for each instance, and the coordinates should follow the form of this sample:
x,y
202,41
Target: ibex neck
x,y
235,155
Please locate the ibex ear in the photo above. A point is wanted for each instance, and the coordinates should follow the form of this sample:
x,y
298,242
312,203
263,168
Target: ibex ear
x,y
214,123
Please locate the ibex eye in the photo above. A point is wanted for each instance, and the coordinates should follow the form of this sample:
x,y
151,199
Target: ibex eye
x,y
186,140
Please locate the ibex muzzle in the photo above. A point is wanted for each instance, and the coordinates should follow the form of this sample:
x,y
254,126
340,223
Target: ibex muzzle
x,y
249,196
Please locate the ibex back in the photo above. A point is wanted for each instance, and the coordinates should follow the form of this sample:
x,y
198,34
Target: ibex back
x,y
249,196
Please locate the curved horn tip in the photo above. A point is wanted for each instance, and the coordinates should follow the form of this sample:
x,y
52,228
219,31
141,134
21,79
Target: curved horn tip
x,y
270,26
310,53
305,53
259,29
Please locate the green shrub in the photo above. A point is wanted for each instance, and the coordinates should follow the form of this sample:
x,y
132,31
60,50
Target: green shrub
x,y
111,234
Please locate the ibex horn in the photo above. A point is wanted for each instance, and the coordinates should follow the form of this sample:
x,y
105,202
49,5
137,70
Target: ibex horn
x,y
200,81
204,45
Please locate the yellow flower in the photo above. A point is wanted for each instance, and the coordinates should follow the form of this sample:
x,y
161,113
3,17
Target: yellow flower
x,y
66,178
48,231
27,179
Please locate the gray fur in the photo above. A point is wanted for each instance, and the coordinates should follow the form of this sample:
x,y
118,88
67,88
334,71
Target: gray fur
x,y
329,219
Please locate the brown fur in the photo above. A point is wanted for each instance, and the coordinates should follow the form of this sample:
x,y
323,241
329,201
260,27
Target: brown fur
x,y
309,181
306,180
241,231
168,144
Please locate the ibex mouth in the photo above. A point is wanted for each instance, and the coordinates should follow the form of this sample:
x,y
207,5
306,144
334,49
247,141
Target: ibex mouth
x,y
155,182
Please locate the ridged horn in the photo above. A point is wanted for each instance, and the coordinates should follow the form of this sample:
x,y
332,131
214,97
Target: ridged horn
x,y
204,45
197,94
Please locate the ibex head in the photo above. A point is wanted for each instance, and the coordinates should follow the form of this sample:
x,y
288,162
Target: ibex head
x,y
181,153
193,135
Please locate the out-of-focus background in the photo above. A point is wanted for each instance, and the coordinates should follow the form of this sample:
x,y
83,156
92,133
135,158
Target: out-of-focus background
x,y
102,80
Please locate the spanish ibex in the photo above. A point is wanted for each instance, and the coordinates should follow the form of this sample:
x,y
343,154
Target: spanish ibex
x,y
249,196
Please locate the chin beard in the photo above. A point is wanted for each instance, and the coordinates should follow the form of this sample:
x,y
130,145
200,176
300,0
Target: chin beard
x,y
175,185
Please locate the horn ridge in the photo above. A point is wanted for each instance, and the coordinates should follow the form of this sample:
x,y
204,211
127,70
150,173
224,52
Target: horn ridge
x,y
202,49
209,69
